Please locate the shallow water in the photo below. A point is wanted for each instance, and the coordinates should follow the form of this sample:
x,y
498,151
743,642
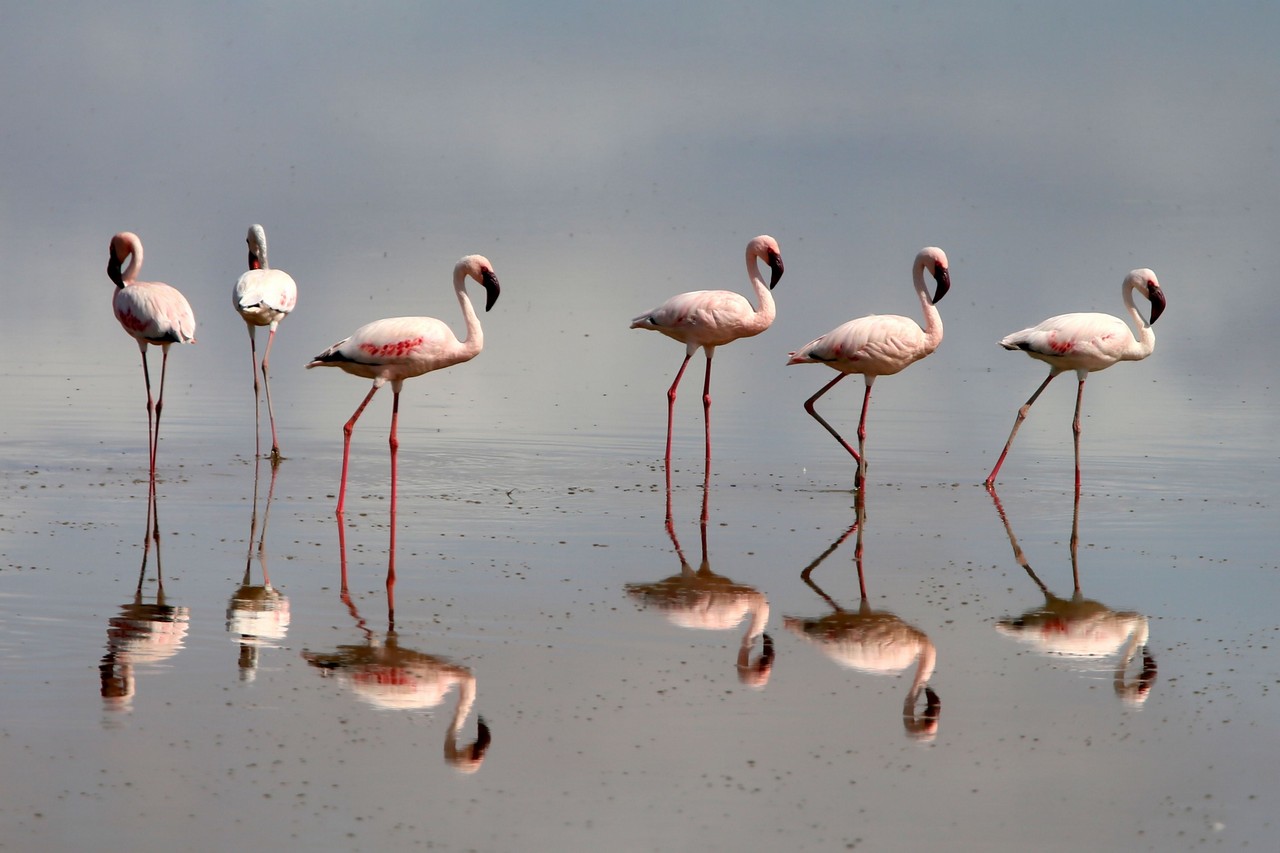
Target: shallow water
x,y
625,694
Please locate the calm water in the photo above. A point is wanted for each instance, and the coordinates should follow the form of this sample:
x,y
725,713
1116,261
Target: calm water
x,y
626,697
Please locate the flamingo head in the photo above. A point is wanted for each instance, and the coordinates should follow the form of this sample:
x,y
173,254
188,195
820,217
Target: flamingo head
x,y
935,260
257,241
1144,281
766,249
479,268
122,245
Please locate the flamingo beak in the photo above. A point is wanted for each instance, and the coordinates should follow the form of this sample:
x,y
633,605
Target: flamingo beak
x,y
1156,295
775,264
113,270
943,277
491,289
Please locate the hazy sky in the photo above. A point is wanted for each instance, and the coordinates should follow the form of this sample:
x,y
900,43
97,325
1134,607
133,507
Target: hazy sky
x,y
605,156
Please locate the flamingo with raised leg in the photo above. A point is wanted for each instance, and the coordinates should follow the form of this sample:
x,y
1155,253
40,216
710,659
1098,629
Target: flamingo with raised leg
x,y
152,313
879,345
1086,342
707,319
400,348
263,297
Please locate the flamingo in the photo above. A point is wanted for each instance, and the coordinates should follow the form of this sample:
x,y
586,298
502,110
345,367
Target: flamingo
x,y
1086,342
387,675
400,348
878,345
1079,628
703,600
711,318
153,313
263,297
873,641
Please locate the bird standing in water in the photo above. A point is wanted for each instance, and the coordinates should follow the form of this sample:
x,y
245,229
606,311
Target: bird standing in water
x,y
152,313
263,297
879,345
707,319
400,348
1086,342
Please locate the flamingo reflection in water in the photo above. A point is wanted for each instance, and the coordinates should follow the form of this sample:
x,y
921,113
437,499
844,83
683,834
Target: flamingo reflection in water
x,y
143,633
873,641
388,676
1078,628
258,614
703,600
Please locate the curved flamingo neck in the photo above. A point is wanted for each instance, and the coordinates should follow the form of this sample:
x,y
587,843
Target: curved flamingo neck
x,y
1146,341
474,341
764,315
133,248
932,319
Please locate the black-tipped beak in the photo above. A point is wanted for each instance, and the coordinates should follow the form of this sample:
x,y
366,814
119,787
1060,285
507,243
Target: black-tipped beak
x,y
943,277
113,270
1156,295
491,289
775,264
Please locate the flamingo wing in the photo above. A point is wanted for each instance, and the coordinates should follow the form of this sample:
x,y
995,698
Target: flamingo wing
x,y
702,316
265,292
1088,340
155,312
879,344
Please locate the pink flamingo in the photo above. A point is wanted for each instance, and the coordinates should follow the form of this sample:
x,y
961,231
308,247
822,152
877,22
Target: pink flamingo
x,y
400,348
1086,342
878,345
263,297
710,318
153,313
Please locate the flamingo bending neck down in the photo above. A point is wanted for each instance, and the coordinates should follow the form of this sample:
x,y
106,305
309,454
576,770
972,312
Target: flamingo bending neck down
x,y
878,345
1086,342
152,313
263,297
400,348
711,318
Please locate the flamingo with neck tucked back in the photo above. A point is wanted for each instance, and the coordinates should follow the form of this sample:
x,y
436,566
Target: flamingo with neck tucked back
x,y
878,345
263,297
707,319
400,348
152,313
1086,342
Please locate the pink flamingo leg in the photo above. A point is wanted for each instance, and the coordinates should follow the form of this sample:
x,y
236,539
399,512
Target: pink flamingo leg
x,y
706,410
394,441
155,444
809,407
151,410
1075,432
1017,422
257,417
671,403
266,381
862,437
346,445
857,457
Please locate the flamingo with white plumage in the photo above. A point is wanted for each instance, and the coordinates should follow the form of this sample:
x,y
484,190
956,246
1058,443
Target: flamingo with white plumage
x,y
1085,343
879,345
706,319
263,297
153,313
400,348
